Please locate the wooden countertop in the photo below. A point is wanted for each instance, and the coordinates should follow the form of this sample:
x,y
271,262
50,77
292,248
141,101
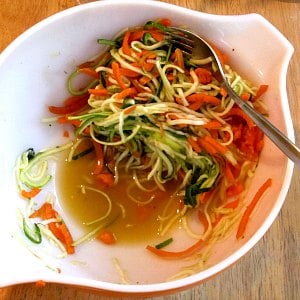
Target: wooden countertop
x,y
272,268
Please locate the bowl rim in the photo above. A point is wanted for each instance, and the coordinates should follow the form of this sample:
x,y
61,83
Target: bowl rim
x,y
235,256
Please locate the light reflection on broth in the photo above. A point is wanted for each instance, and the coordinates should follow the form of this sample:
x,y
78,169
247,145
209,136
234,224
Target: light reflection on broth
x,y
129,221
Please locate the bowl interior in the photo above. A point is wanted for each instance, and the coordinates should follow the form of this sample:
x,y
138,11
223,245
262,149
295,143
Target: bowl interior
x,y
33,72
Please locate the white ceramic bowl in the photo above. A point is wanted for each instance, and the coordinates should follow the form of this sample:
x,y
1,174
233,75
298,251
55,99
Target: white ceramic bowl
x,y
33,73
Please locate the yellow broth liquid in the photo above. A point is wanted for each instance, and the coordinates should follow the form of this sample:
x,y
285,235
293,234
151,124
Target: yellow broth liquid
x,y
129,221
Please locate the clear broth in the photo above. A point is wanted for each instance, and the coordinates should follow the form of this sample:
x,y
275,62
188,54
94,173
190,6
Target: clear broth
x,y
128,220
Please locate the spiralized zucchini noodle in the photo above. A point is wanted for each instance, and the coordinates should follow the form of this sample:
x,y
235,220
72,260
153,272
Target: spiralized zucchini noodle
x,y
163,116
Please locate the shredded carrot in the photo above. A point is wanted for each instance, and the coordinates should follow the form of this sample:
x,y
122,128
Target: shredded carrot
x,y
203,220
138,34
216,220
177,255
107,237
105,179
204,75
214,124
197,100
30,194
222,56
261,90
223,92
44,212
59,228
125,44
117,74
129,110
233,204
165,21
61,232
246,96
126,92
179,58
207,146
220,148
98,92
66,120
204,197
66,134
228,173
246,216
72,104
87,64
236,111
194,144
128,72
235,189
144,80
90,72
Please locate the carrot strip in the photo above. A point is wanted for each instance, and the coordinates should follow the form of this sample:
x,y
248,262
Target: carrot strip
x,y
204,75
233,204
234,189
197,100
261,90
125,44
144,80
177,255
105,179
220,148
128,72
246,216
30,194
228,173
65,120
126,92
117,74
204,197
165,22
223,92
179,58
138,34
107,237
59,229
72,105
62,233
66,134
90,72
246,96
214,124
98,92
203,220
222,56
129,109
194,144
44,212
236,111
207,146
68,240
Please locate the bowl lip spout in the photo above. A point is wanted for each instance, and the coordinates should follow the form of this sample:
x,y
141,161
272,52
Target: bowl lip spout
x,y
178,284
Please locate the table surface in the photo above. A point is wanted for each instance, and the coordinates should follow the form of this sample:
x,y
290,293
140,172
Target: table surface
x,y
272,268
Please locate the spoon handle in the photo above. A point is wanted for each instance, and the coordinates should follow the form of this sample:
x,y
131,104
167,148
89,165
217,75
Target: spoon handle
x,y
273,133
